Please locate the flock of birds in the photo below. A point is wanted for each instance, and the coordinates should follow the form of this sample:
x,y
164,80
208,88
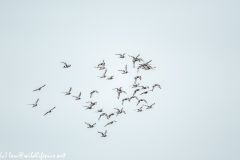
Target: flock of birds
x,y
101,66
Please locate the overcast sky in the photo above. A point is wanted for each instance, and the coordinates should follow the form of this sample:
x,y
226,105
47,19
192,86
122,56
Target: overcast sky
x,y
194,46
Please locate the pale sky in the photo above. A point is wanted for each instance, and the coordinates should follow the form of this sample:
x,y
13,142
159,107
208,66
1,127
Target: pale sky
x,y
194,46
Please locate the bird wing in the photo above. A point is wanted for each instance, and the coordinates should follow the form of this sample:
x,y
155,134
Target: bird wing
x,y
70,89
125,67
35,90
52,108
101,133
43,86
87,123
94,124
145,100
138,102
64,63
138,55
149,61
105,72
79,94
37,100
45,113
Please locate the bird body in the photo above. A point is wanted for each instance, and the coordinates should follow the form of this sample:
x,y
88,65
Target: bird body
x,y
124,71
39,88
125,99
90,125
66,65
69,92
49,111
156,85
94,91
121,55
110,123
35,104
77,97
104,75
140,100
103,134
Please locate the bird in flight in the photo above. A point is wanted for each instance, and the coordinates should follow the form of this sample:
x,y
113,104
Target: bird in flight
x,y
125,99
69,92
35,104
156,85
136,91
49,111
108,116
110,123
110,78
90,125
101,66
66,65
119,91
121,55
145,92
39,88
135,85
119,111
139,110
132,98
77,97
103,134
136,59
144,87
91,105
104,75
124,71
94,91
103,114
149,107
137,77
100,110
140,100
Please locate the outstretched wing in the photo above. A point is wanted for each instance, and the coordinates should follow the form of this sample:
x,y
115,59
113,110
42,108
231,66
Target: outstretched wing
x,y
45,113
37,101
138,102
35,90
125,67
53,108
70,89
101,133
105,131
87,123
105,72
79,94
43,85
64,63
